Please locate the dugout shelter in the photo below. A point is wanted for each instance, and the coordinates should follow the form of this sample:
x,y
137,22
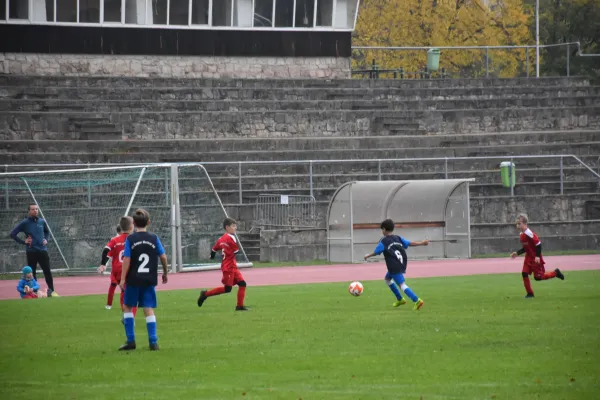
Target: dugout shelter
x,y
437,210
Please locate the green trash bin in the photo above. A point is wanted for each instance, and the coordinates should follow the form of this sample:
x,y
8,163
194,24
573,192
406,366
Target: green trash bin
x,y
508,174
433,59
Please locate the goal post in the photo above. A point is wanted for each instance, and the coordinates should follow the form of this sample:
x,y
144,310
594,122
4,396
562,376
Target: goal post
x,y
82,208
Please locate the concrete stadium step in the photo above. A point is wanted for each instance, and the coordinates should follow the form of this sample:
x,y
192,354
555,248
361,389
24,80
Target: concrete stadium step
x,y
282,105
131,82
300,143
581,148
494,245
293,94
542,228
182,125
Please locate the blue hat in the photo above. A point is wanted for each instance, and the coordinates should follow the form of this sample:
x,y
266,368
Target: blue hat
x,y
27,270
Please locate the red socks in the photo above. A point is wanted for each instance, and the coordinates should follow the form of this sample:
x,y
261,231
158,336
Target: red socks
x,y
527,284
111,294
216,291
549,275
240,296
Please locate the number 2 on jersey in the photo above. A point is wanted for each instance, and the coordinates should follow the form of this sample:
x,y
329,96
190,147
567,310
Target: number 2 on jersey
x,y
144,259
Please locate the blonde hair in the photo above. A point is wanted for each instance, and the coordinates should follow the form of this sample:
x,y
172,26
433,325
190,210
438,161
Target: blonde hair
x,y
523,218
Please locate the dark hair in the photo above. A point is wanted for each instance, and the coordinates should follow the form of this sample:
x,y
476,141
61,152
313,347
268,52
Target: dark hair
x,y
29,206
228,222
141,218
125,224
388,225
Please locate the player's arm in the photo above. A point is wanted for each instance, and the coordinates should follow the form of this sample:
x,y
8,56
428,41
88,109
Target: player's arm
x,y
14,234
126,263
378,250
219,246
517,253
419,243
163,259
104,259
46,234
21,287
35,286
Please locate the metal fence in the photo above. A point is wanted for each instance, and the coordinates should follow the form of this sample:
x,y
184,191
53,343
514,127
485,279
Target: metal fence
x,y
310,171
368,55
275,211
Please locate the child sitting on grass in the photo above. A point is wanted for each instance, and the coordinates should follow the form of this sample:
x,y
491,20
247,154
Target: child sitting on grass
x,y
28,287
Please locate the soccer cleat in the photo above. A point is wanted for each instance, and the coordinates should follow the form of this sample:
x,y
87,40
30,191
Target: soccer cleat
x,y
127,346
418,304
399,303
529,296
241,308
559,274
108,307
154,346
52,293
202,298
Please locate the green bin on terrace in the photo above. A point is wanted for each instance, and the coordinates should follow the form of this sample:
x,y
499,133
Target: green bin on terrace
x,y
508,174
433,59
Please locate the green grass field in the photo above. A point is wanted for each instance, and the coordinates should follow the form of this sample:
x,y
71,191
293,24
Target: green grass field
x,y
476,338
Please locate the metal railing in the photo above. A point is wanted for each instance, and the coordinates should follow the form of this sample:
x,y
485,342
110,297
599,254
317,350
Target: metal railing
x,y
312,164
375,71
285,211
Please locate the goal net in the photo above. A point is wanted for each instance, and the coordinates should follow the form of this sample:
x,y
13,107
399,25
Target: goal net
x,y
82,208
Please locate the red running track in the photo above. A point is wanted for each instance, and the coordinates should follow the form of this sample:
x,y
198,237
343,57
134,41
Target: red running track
x,y
84,285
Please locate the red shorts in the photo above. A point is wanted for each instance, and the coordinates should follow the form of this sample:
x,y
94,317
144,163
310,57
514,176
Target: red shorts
x,y
530,267
115,276
232,277
30,295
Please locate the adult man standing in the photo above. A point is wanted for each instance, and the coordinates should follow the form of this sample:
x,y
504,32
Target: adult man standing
x,y
37,235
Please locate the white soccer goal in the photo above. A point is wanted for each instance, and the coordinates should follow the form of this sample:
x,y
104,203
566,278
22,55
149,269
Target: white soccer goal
x,y
83,206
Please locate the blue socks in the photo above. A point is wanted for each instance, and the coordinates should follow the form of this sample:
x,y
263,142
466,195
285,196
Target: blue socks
x,y
129,323
151,326
411,294
395,290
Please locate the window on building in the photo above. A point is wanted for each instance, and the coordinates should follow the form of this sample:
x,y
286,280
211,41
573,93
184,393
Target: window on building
x,y
324,13
200,12
89,10
112,10
221,13
284,13
263,13
18,9
179,12
66,10
304,13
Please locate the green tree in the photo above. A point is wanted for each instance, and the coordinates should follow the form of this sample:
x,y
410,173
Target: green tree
x,y
443,23
563,21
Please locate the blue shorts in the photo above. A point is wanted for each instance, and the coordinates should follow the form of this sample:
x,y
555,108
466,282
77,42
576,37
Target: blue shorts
x,y
397,277
140,296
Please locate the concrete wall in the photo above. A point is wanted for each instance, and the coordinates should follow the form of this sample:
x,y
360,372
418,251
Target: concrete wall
x,y
174,66
293,245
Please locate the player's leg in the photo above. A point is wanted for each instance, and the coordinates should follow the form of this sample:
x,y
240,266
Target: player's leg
x,y
394,288
44,261
526,271
540,274
227,281
132,295
241,294
111,291
122,301
32,261
149,303
399,279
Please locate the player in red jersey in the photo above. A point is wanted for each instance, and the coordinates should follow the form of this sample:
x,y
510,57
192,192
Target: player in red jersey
x,y
228,245
114,250
534,261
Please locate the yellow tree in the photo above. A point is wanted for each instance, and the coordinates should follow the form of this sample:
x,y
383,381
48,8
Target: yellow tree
x,y
443,23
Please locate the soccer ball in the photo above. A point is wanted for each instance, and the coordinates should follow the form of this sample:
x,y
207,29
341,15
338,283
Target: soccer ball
x,y
355,288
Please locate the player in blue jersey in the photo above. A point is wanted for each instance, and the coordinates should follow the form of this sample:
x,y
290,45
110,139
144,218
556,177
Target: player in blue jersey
x,y
139,278
393,249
